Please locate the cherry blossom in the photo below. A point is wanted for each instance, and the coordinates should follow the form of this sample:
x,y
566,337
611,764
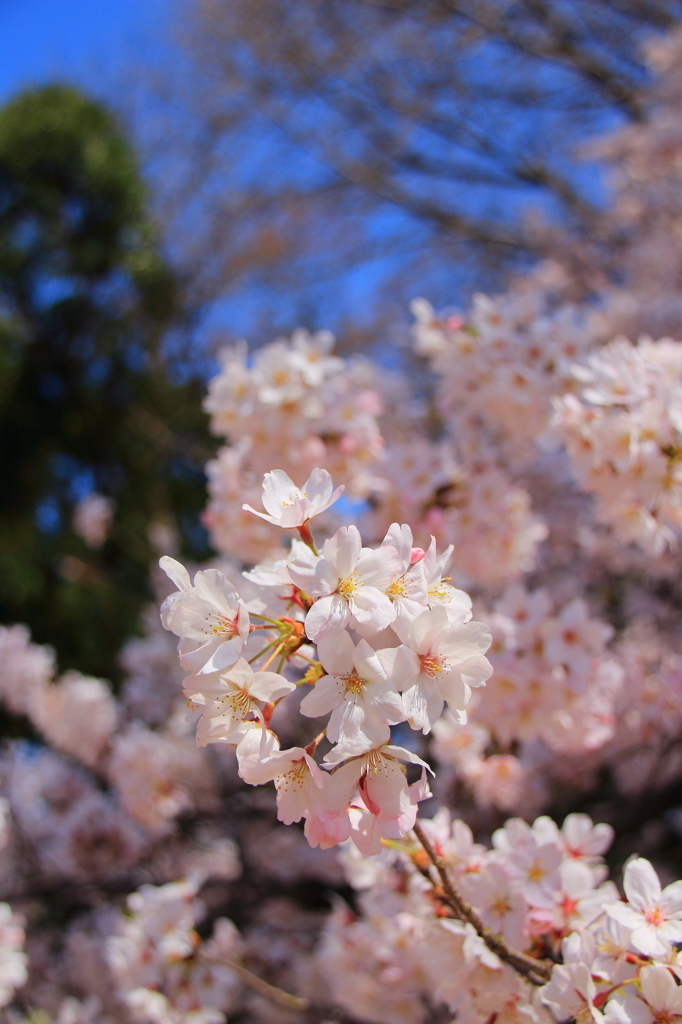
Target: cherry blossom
x,y
231,697
654,915
287,506
363,701
349,584
439,662
661,1001
210,618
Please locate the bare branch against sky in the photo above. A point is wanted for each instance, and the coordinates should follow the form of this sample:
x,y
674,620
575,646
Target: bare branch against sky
x,y
320,153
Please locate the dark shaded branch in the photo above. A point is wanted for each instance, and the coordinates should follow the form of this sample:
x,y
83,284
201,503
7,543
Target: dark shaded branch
x,y
535,971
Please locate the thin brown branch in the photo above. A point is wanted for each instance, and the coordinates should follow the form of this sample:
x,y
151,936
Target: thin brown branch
x,y
271,992
537,972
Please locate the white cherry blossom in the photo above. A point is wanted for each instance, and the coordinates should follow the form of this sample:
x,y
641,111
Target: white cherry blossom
x,y
407,590
383,789
288,506
303,789
654,915
363,701
571,991
230,697
439,661
348,583
209,617
499,901
439,590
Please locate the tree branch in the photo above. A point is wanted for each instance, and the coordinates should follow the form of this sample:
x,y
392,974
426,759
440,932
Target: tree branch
x,y
537,972
271,992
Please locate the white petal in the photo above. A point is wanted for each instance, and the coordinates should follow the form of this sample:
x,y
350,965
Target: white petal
x,y
367,663
213,586
641,884
400,538
401,665
323,698
379,568
671,898
319,487
372,611
343,550
336,654
423,705
176,572
261,515
465,641
455,691
327,617
406,755
269,686
647,941
346,722
278,489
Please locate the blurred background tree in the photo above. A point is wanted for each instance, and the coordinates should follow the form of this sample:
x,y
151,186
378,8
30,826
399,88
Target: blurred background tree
x,y
88,403
324,161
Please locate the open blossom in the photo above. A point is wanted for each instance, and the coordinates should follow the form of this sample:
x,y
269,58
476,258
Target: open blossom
x,y
659,1003
654,915
362,699
303,789
230,697
499,901
289,507
572,991
536,867
407,589
389,805
572,638
209,617
578,838
576,902
440,661
439,590
296,776
349,584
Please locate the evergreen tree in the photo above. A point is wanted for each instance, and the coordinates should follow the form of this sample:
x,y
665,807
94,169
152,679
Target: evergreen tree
x,y
87,403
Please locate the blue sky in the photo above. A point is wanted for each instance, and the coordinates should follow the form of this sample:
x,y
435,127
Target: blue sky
x,y
78,40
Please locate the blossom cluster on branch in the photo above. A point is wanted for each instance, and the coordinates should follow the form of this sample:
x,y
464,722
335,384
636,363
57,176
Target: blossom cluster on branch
x,y
471,591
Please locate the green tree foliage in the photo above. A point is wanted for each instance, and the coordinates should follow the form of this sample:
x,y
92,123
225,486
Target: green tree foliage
x,y
87,402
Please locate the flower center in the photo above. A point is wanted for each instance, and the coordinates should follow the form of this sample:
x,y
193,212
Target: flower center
x,y
375,761
222,626
294,778
500,906
536,872
568,906
440,591
397,588
297,497
354,683
433,665
349,585
655,916
238,701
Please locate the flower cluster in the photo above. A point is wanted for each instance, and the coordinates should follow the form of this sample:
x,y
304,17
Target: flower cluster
x,y
623,434
164,972
395,643
504,607
540,887
295,405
